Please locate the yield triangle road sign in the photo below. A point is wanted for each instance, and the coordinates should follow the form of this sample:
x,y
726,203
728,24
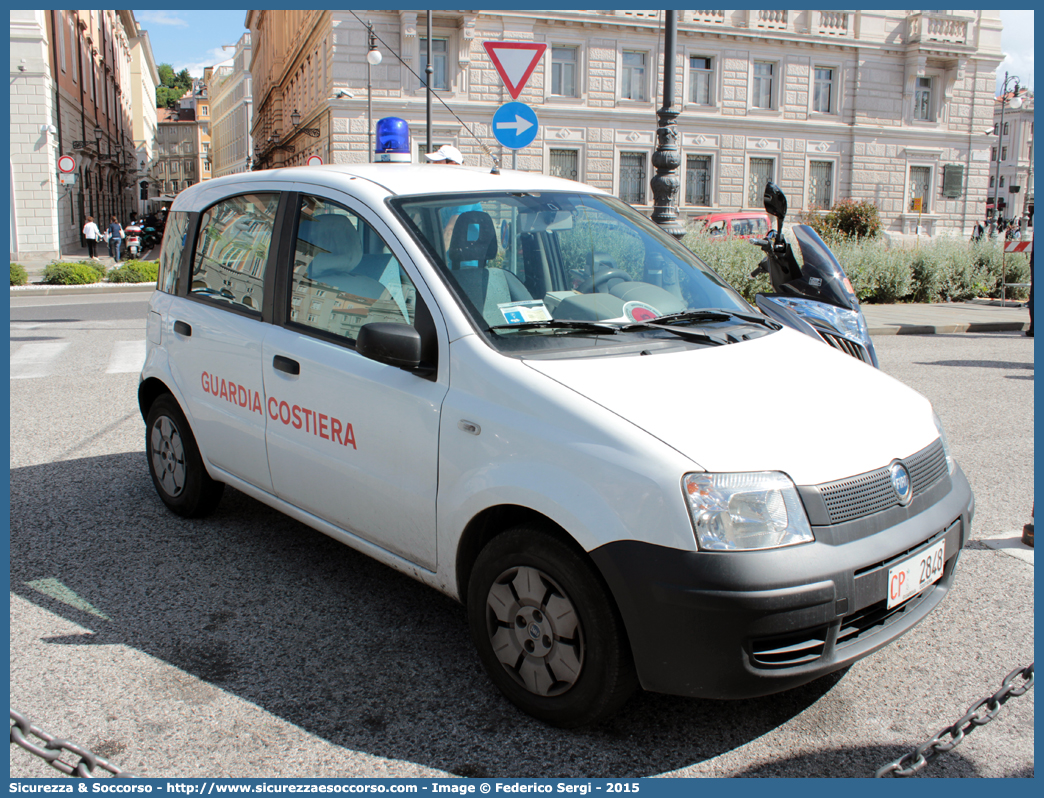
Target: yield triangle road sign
x,y
515,62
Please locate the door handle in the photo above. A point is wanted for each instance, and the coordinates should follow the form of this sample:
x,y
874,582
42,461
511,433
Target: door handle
x,y
285,364
182,328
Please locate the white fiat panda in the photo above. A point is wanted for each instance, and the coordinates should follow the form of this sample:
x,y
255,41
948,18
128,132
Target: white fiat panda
x,y
519,391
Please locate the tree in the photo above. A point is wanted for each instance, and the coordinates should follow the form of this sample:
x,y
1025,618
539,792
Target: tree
x,y
172,85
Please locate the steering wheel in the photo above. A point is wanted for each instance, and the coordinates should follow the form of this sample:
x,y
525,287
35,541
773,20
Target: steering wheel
x,y
593,283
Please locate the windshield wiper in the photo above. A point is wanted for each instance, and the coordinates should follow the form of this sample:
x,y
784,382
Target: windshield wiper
x,y
681,332
558,324
716,314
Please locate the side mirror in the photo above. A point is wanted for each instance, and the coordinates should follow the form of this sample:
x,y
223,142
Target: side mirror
x,y
396,345
775,203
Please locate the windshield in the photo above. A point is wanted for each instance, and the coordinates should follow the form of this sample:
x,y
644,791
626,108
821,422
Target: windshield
x,y
825,277
535,267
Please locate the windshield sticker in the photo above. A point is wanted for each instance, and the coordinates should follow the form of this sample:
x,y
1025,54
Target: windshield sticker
x,y
639,311
523,311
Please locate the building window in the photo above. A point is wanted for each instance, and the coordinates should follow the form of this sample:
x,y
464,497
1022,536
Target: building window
x,y
204,111
1004,152
995,126
761,94
920,183
564,163
1006,128
701,71
923,100
993,153
993,180
563,71
439,62
820,184
698,180
632,177
1002,181
73,49
760,174
61,36
823,91
633,84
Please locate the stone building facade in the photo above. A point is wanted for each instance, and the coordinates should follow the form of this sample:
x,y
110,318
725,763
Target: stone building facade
x,y
889,106
231,111
178,158
71,94
1013,145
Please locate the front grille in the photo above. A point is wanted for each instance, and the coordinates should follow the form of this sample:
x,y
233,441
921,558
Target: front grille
x,y
876,617
869,493
846,345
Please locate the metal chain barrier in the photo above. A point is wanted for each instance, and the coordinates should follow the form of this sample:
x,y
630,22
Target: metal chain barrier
x,y
23,729
979,714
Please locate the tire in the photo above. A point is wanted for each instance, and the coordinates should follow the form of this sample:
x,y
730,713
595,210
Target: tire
x,y
176,466
547,629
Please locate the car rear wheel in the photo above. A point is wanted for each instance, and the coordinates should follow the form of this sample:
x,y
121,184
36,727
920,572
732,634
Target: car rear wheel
x,y
547,629
176,466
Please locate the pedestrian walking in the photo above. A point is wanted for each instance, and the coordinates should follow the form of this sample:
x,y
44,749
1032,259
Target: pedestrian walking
x,y
977,232
92,235
115,234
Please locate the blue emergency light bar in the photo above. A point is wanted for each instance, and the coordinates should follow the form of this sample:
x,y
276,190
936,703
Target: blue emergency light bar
x,y
393,141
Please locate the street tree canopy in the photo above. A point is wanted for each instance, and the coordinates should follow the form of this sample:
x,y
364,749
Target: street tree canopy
x,y
172,85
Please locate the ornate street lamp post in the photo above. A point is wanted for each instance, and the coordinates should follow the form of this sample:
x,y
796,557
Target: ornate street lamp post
x,y
373,58
667,156
1016,104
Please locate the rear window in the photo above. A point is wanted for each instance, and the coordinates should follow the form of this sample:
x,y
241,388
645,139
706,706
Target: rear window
x,y
170,251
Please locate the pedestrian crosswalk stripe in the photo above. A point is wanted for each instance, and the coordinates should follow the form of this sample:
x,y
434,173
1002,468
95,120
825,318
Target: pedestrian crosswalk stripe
x,y
127,356
35,359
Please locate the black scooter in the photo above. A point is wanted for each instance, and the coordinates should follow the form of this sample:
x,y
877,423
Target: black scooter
x,y
813,295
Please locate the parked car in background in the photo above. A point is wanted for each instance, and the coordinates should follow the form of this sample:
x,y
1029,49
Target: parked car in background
x,y
751,224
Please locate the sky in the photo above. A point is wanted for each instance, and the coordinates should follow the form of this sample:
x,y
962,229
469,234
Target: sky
x,y
193,39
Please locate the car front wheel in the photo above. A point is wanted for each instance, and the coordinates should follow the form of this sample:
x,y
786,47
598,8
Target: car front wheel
x,y
547,629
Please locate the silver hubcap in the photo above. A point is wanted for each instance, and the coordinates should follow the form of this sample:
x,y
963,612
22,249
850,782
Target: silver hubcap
x,y
535,631
168,456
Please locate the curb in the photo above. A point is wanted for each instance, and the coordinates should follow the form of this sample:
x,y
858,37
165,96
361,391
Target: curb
x,y
74,290
944,329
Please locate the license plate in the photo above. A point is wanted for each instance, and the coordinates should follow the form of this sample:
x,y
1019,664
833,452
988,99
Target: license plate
x,y
911,576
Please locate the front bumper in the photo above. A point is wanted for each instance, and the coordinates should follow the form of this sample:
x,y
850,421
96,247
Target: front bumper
x,y
744,624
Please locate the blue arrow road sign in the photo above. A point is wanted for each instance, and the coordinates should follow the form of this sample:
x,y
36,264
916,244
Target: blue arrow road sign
x,y
515,125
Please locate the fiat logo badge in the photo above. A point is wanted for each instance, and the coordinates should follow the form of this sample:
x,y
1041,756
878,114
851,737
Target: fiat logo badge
x,y
901,482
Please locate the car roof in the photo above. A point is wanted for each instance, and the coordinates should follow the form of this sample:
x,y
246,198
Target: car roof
x,y
713,217
393,178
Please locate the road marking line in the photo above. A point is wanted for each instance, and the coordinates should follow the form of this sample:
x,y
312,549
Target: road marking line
x,y
35,360
127,356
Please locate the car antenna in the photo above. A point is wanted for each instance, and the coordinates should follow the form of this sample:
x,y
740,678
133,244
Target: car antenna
x,y
485,148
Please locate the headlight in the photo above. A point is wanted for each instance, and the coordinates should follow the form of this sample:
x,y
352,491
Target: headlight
x,y
759,510
847,322
950,464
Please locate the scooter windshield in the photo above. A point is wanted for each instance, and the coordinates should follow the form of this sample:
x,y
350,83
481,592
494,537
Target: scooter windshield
x,y
821,271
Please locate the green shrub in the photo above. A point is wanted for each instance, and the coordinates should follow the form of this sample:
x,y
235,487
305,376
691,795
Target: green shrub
x,y
853,219
732,258
134,271
77,273
19,276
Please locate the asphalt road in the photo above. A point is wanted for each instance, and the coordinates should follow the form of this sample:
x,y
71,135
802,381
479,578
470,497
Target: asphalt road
x,y
246,644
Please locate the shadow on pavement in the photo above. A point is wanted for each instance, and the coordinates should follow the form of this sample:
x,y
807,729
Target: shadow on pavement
x,y
289,620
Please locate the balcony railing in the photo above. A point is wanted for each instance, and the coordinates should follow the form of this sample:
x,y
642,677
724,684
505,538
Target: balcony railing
x,y
942,28
832,23
772,19
705,17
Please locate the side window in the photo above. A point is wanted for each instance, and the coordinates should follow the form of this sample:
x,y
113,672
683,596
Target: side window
x,y
170,251
345,275
232,250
